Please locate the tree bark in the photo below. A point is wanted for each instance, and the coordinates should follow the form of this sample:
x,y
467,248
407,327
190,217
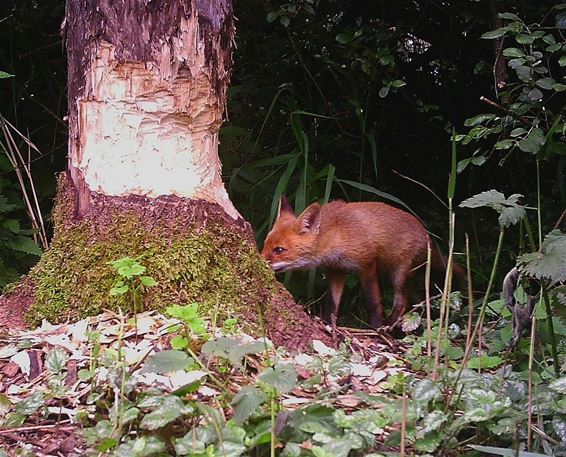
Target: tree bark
x,y
147,83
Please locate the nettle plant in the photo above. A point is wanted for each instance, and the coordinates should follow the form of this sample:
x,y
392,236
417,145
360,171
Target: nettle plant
x,y
530,119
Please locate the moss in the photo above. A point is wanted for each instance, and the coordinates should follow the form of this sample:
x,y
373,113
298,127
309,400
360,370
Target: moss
x,y
211,266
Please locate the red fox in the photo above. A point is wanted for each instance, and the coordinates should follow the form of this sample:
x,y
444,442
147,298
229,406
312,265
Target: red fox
x,y
375,240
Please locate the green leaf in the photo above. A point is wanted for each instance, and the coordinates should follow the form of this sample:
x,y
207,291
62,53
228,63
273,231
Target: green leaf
x,y
505,144
398,83
509,209
535,95
141,447
24,244
517,132
285,21
344,37
523,38
179,342
189,314
169,408
56,360
513,52
4,75
246,402
128,267
479,119
31,404
545,83
562,61
533,142
484,362
148,281
271,16
429,443
434,420
119,288
167,361
550,262
231,349
384,91
13,420
510,16
282,377
554,47
425,391
495,33
559,87
559,385
524,73
12,224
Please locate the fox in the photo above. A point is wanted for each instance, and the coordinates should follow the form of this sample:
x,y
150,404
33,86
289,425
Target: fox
x,y
377,241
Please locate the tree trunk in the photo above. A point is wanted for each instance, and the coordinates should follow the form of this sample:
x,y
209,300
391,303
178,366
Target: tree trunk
x,y
147,87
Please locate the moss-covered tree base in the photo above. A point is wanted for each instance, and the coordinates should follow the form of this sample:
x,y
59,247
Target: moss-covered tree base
x,y
193,250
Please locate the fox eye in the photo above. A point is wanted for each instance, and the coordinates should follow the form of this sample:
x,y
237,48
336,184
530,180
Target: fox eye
x,y
279,250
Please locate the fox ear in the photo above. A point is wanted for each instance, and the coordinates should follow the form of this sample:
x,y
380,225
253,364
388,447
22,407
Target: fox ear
x,y
284,207
309,219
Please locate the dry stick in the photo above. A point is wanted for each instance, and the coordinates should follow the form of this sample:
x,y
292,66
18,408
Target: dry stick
x,y
11,151
403,424
33,428
427,299
530,399
470,291
521,119
448,278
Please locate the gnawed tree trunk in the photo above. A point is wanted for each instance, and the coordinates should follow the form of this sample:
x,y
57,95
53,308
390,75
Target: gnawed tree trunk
x,y
147,92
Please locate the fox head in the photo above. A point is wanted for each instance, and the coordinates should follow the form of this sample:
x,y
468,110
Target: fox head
x,y
291,244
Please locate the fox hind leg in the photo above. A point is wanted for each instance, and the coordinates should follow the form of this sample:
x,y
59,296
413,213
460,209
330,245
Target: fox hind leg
x,y
372,294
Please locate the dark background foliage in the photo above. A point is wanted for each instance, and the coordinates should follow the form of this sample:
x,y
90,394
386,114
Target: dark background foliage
x,y
326,97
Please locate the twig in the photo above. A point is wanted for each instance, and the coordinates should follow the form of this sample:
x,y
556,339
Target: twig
x,y
521,119
422,185
32,428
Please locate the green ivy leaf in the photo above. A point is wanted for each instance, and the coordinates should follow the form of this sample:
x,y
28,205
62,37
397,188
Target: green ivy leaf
x,y
4,75
562,61
504,144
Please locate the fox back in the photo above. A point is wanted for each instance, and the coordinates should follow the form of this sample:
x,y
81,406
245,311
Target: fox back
x,y
345,236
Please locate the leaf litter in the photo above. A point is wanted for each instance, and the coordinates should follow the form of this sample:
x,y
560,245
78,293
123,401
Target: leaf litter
x,y
51,377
